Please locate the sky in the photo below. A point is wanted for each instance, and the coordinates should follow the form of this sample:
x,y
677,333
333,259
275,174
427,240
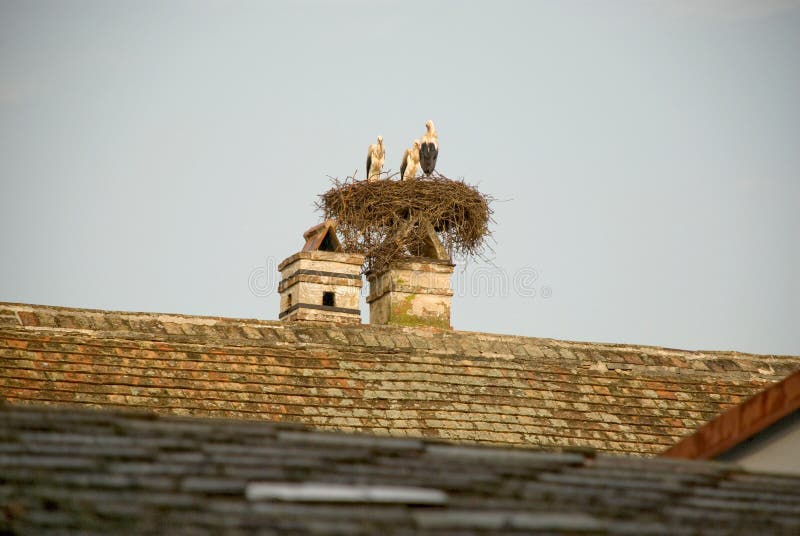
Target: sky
x,y
644,155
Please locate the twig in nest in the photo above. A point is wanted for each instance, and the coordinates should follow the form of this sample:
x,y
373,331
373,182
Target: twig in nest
x,y
386,220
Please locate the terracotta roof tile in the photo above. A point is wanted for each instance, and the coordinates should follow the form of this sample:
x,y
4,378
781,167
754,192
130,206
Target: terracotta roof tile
x,y
403,382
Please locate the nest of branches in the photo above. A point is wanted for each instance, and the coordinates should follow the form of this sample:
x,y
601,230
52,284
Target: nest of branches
x,y
388,220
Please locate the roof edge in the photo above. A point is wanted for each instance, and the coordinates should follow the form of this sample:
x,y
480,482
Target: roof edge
x,y
740,422
427,331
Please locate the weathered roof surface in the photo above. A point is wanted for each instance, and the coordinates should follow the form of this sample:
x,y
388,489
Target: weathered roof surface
x,y
741,422
117,472
384,380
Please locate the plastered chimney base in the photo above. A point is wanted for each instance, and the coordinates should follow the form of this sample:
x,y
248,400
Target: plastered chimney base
x,y
414,292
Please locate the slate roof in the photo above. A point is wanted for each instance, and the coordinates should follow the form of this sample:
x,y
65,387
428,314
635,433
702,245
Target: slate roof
x,y
123,472
401,382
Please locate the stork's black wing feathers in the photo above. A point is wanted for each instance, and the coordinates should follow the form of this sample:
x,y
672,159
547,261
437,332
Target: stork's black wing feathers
x,y
427,157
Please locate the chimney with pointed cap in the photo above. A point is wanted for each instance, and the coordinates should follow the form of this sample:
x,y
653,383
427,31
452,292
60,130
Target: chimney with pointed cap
x,y
321,283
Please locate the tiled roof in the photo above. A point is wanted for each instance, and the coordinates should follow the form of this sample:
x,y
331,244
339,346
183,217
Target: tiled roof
x,y
740,423
402,382
104,472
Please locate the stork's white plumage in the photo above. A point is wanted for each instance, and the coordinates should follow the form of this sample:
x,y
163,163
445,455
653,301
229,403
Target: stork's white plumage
x,y
408,168
376,154
429,148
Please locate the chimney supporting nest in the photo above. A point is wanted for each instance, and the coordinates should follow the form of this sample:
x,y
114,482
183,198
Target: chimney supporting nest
x,y
411,292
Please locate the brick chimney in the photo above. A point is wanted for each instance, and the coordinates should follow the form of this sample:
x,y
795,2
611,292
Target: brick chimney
x,y
412,292
321,282
415,291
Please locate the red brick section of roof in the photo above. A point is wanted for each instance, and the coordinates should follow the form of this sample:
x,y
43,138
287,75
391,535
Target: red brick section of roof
x,y
741,422
457,386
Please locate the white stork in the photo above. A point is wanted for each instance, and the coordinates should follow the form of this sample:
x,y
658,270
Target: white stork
x,y
375,157
408,168
429,148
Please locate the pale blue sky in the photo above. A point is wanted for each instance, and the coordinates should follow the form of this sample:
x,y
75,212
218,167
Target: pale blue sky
x,y
154,155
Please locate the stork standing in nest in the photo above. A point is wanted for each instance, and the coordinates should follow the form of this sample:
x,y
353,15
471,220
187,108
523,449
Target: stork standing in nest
x,y
408,168
375,157
429,148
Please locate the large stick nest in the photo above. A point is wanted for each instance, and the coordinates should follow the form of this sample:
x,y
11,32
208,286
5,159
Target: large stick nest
x,y
388,220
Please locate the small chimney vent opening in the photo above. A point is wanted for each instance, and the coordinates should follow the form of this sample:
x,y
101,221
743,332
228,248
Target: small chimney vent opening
x,y
328,299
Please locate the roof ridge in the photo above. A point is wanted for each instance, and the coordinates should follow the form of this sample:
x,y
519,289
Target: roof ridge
x,y
178,319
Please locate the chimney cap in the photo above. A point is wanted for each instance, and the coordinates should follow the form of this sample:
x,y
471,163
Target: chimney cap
x,y
322,237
